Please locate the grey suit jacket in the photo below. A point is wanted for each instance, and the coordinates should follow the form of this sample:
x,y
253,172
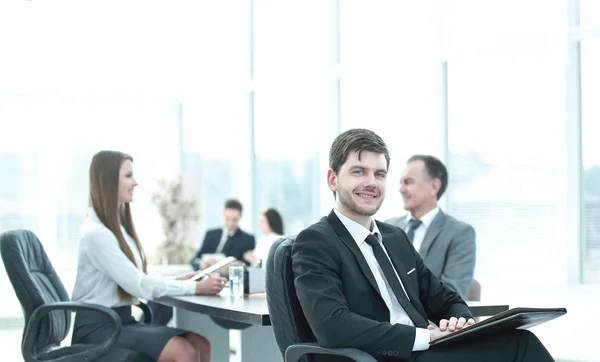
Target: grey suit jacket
x,y
448,250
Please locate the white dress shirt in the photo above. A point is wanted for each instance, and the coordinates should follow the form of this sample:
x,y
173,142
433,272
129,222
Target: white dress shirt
x,y
263,245
397,313
420,231
102,267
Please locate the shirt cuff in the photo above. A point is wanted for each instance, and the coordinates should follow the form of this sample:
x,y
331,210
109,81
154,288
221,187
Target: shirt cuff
x,y
422,339
189,287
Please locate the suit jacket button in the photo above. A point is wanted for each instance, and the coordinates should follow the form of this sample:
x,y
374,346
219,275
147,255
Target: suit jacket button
x,y
396,353
384,352
378,351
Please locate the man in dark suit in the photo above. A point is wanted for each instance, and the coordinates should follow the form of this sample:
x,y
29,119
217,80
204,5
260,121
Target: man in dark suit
x,y
446,245
361,283
229,240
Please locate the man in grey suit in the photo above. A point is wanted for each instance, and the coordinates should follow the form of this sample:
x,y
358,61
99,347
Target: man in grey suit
x,y
446,244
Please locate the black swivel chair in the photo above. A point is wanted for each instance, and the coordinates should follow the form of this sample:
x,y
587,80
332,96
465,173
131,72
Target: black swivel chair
x,y
47,308
292,332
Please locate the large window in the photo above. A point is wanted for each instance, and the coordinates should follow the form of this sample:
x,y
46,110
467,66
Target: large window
x,y
505,127
389,82
45,155
590,225
217,153
216,109
294,104
590,14
472,26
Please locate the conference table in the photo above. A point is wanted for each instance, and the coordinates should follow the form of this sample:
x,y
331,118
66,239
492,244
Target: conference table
x,y
214,316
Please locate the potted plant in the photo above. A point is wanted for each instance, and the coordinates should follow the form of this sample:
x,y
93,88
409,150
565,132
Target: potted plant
x,y
178,210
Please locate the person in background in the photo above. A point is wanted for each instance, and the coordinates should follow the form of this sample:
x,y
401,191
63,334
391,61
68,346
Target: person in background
x,y
447,245
111,271
271,225
229,240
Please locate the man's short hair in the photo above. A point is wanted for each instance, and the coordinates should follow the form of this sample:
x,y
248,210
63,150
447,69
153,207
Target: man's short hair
x,y
434,168
233,204
355,140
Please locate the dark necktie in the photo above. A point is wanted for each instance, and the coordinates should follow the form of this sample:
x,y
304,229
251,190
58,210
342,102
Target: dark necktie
x,y
390,275
413,224
221,247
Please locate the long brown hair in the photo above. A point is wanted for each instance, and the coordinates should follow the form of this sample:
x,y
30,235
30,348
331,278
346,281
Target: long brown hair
x,y
104,186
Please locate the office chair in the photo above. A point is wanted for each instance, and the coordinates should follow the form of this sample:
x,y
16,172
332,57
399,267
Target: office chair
x,y
474,291
47,308
474,294
292,332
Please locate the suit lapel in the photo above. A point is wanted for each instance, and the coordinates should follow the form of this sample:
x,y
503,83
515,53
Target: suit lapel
x,y
432,232
403,222
400,258
345,236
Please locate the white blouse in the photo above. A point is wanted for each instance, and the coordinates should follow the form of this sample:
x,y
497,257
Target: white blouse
x,y
263,245
102,267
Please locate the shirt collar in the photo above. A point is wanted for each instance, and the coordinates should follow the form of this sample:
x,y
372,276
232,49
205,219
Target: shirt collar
x,y
427,219
358,232
225,232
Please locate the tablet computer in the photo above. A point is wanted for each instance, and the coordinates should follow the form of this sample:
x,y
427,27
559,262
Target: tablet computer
x,y
516,318
213,268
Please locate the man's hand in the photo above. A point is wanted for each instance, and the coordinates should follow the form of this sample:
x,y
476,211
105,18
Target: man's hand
x,y
436,333
210,285
250,258
455,324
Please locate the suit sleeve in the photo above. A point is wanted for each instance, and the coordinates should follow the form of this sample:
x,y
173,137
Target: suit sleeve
x,y
437,298
317,268
249,244
460,261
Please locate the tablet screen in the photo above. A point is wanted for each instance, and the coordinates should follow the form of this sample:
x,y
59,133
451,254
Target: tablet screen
x,y
213,268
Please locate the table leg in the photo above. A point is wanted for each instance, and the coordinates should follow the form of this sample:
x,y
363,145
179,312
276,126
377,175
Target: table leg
x,y
204,325
258,344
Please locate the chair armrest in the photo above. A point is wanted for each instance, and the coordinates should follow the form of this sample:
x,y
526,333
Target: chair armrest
x,y
294,352
147,312
29,339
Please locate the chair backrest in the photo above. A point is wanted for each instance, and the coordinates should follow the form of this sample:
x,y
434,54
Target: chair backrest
x,y
289,324
474,291
35,283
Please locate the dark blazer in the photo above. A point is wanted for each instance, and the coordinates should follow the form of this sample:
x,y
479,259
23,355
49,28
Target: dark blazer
x,y
448,250
236,246
340,297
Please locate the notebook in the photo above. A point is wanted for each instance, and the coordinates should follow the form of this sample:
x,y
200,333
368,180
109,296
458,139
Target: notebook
x,y
516,318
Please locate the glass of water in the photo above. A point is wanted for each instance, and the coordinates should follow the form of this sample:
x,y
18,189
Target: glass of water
x,y
236,281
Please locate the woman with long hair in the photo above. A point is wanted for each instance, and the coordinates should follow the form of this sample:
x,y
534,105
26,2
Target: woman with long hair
x,y
112,267
271,225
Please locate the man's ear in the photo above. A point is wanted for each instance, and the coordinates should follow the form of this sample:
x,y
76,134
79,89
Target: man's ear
x,y
436,185
332,180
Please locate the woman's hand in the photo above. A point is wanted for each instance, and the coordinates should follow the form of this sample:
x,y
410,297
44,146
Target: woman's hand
x,y
210,285
187,276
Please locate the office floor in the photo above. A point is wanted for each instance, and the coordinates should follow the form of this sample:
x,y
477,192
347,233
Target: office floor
x,y
11,346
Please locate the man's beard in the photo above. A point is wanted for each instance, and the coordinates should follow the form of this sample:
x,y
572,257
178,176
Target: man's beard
x,y
349,203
